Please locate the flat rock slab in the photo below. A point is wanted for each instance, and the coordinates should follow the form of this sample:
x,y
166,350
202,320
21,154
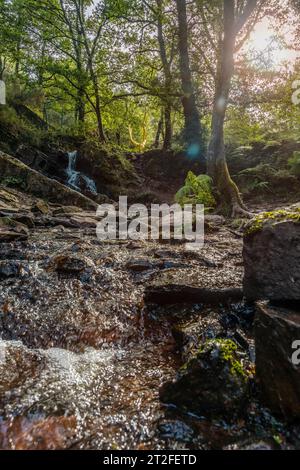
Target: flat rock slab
x,y
276,329
180,293
272,261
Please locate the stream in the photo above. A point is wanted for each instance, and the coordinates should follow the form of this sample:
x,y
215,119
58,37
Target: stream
x,y
83,357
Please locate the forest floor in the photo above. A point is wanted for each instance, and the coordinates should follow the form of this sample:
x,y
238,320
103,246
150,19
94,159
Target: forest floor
x,y
84,352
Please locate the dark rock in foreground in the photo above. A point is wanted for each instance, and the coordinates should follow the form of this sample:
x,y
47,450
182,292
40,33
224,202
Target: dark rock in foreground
x,y
272,256
276,330
212,382
177,293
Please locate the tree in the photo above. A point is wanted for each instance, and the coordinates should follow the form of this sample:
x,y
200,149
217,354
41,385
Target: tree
x,y
192,127
235,16
167,76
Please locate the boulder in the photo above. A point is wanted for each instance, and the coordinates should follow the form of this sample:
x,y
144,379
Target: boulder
x,y
70,264
139,265
191,334
9,268
169,294
272,256
277,367
11,230
212,382
41,207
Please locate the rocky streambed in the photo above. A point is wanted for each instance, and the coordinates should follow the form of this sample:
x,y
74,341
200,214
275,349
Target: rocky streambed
x,y
94,349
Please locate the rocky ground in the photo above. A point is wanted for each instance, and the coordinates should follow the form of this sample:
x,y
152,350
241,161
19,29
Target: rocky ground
x,y
93,335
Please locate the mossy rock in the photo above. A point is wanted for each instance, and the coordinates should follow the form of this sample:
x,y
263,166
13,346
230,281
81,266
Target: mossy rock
x,y
214,382
271,218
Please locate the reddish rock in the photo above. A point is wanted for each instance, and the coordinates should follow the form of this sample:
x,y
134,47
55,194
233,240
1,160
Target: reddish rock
x,y
51,433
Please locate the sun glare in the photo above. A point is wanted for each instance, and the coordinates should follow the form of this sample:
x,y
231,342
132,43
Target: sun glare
x,y
264,42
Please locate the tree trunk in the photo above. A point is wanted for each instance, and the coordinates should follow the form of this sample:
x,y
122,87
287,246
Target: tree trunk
x,y
90,53
97,105
159,131
2,68
168,128
192,130
230,197
80,106
168,78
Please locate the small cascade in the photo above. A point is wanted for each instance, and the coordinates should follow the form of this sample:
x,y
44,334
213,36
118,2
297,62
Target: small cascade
x,y
90,184
74,176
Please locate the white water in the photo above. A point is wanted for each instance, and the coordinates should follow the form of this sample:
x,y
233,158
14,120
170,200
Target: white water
x,y
71,172
73,175
90,184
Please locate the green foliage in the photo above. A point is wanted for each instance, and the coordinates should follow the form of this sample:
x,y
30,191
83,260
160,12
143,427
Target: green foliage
x,y
241,128
256,178
265,178
19,128
196,190
294,164
13,182
228,350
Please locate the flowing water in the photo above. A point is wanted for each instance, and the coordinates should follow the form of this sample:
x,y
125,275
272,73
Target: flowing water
x,y
82,358
80,364
74,176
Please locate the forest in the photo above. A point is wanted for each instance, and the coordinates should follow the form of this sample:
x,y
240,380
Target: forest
x,y
126,340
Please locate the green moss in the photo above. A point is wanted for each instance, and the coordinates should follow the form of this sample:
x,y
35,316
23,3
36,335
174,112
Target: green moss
x,y
13,181
228,350
272,217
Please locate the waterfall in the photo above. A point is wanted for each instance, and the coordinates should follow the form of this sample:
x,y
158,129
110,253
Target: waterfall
x,y
73,176
71,172
90,184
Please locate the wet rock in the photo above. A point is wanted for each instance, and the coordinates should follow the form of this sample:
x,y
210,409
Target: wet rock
x,y
272,257
51,433
84,222
10,236
139,265
66,210
17,365
177,430
49,221
12,230
25,219
41,207
6,197
173,294
277,363
189,336
257,445
70,264
9,269
213,382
